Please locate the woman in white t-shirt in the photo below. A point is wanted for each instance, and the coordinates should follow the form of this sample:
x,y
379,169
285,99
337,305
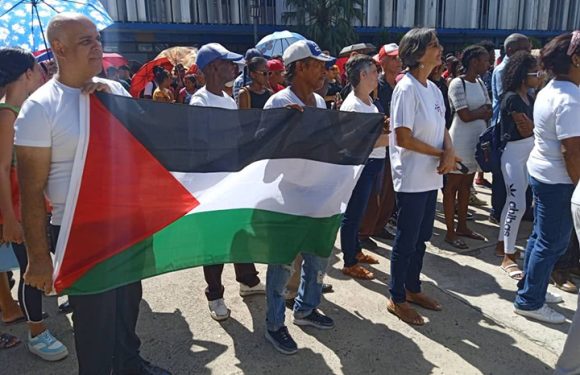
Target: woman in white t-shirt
x,y
421,151
554,168
468,96
364,78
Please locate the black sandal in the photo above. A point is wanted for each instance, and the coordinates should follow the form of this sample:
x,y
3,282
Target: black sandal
x,y
8,341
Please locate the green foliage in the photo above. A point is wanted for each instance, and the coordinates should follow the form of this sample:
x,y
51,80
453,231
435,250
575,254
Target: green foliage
x,y
327,22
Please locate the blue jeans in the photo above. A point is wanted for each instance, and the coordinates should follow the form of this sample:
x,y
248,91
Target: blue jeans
x,y
370,178
416,215
309,291
548,241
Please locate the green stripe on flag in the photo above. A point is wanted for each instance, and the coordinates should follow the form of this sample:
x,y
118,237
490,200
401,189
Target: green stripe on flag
x,y
214,237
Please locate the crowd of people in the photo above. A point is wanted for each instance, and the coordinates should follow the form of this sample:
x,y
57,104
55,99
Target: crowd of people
x,y
435,108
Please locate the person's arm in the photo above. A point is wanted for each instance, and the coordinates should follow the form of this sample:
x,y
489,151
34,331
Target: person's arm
x,y
33,169
243,99
571,152
458,97
11,229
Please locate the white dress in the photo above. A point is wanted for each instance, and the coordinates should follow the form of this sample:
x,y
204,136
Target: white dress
x,y
465,135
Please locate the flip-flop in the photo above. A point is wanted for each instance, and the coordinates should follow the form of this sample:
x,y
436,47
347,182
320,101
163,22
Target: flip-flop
x,y
458,244
8,341
472,235
516,275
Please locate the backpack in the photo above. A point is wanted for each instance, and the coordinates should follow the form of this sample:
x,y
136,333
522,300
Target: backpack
x,y
490,146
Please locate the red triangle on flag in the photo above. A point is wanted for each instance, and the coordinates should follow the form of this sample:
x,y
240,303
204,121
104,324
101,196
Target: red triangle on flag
x,y
125,196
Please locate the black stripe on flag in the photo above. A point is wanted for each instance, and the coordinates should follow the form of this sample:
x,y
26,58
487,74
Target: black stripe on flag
x,y
198,139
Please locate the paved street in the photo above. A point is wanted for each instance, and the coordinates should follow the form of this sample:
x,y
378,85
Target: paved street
x,y
476,333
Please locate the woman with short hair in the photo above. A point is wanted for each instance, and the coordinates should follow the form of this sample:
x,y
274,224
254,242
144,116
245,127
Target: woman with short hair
x,y
421,151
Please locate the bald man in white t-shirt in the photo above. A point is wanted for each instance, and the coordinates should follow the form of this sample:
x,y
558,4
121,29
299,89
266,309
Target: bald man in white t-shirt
x,y
47,135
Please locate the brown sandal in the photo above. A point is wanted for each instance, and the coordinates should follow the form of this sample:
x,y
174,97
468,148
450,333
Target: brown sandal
x,y
365,258
358,272
421,299
405,312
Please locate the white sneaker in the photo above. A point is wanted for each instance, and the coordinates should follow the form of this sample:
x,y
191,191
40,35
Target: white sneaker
x,y
553,297
251,290
47,347
543,314
218,310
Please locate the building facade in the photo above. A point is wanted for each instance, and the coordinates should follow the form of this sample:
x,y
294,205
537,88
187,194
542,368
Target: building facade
x,y
144,27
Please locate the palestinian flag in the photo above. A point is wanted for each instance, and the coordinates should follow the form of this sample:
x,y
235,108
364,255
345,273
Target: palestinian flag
x,y
160,187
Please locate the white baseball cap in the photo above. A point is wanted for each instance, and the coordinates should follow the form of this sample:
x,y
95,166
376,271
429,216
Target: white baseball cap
x,y
391,49
303,49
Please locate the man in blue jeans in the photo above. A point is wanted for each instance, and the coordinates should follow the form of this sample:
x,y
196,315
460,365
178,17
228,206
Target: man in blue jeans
x,y
305,67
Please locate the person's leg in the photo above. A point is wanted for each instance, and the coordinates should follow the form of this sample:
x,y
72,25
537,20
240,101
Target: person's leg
x,y
425,231
310,290
213,278
449,198
126,355
246,274
9,308
276,278
498,195
465,184
355,210
569,361
411,211
561,273
94,321
552,227
372,211
30,298
294,280
387,199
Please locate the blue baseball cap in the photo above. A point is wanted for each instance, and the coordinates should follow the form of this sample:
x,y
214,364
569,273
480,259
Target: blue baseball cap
x,y
303,49
215,51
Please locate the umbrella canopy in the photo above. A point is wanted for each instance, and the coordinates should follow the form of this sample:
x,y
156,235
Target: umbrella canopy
x,y
23,22
359,47
185,56
113,59
276,43
145,74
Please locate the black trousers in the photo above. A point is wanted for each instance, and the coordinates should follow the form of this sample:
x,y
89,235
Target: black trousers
x,y
104,328
245,273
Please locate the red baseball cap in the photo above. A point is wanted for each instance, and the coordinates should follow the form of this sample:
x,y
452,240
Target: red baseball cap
x,y
391,49
275,65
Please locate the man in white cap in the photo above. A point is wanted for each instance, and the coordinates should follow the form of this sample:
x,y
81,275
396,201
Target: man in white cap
x,y
305,71
219,67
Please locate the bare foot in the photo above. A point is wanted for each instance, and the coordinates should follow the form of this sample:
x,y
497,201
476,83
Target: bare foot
x,y
12,313
405,312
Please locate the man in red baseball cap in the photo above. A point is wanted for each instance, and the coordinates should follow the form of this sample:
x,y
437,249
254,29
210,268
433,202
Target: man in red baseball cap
x,y
276,71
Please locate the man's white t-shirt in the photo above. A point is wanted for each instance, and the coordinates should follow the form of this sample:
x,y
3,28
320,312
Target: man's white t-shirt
x,y
422,110
50,117
576,195
353,104
204,98
286,97
556,117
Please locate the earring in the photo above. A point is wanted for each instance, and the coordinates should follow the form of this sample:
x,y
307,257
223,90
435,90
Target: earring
x,y
421,66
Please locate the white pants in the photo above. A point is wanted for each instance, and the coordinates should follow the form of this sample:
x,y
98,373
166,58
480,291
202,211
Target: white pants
x,y
515,175
569,362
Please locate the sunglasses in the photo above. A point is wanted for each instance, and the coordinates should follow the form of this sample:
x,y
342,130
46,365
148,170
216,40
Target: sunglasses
x,y
538,74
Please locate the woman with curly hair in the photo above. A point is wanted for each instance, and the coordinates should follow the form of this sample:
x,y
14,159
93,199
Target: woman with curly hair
x,y
468,96
554,168
516,127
